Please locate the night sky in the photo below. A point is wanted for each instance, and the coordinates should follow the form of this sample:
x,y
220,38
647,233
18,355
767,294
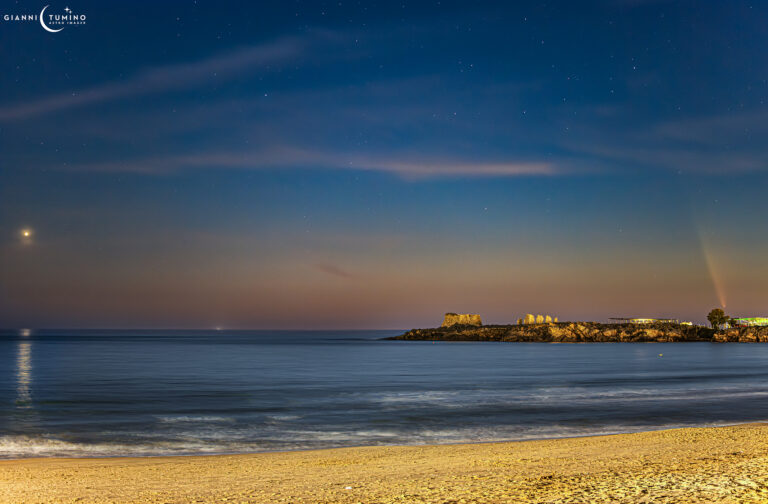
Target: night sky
x,y
376,164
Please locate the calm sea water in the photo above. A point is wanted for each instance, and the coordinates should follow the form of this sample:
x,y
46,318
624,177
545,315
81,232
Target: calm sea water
x,y
94,393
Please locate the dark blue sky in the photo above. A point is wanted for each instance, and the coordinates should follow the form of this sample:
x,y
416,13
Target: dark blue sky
x,y
360,164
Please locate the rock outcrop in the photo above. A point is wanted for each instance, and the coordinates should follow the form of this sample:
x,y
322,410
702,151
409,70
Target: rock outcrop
x,y
742,335
584,332
452,319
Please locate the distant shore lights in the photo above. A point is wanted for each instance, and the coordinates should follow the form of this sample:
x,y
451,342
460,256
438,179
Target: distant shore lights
x,y
749,321
644,320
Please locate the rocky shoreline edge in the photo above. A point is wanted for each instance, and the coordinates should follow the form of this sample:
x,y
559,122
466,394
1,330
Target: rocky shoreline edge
x,y
588,332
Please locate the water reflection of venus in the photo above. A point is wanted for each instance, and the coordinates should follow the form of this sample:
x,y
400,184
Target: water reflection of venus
x,y
24,375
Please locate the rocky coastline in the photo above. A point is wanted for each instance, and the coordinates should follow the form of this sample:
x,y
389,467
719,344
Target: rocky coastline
x,y
588,332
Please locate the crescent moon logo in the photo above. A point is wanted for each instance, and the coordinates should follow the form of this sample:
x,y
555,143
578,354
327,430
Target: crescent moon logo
x,y
42,22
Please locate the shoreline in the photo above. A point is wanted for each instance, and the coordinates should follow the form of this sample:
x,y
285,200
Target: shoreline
x,y
362,446
689,464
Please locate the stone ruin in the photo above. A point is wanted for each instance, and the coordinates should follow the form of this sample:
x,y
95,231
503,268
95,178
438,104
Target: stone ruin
x,y
538,319
475,320
461,318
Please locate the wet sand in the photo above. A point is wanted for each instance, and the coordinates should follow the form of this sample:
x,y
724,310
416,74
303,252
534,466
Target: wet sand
x,y
727,464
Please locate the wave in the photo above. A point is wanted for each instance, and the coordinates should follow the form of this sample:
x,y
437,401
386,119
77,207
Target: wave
x,y
550,396
284,418
42,446
23,446
196,419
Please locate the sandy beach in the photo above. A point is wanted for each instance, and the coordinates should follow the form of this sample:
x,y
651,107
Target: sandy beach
x,y
726,464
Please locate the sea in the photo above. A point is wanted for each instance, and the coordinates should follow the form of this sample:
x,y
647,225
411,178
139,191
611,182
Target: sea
x,y
94,393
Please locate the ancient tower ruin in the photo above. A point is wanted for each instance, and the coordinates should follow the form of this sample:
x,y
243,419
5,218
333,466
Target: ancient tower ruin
x,y
461,318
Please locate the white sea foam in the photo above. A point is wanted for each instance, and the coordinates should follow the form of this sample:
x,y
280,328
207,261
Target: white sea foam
x,y
50,446
284,418
42,446
197,419
573,396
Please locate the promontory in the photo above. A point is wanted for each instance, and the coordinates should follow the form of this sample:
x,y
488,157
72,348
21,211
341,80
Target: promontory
x,y
588,332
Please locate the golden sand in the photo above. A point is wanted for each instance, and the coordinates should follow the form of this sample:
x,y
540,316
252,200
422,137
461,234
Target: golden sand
x,y
727,464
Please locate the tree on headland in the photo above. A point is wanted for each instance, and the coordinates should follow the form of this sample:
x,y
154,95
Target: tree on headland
x,y
717,318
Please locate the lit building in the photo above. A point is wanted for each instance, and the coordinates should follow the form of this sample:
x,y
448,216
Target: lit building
x,y
749,321
640,320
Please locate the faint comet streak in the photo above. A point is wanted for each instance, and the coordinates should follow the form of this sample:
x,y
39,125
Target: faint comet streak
x,y
714,273
706,249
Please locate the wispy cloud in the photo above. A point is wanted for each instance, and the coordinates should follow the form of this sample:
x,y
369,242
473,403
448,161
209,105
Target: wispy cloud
x,y
164,78
333,270
405,166
676,159
721,144
449,168
725,129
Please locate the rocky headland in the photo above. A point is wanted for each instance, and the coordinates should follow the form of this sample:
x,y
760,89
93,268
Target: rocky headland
x,y
742,335
588,332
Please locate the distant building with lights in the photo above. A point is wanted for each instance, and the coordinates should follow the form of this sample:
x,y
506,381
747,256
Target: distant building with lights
x,y
749,321
641,320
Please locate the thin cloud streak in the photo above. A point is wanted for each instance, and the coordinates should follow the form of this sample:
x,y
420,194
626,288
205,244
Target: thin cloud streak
x,y
405,167
680,159
429,169
333,270
714,145
164,78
